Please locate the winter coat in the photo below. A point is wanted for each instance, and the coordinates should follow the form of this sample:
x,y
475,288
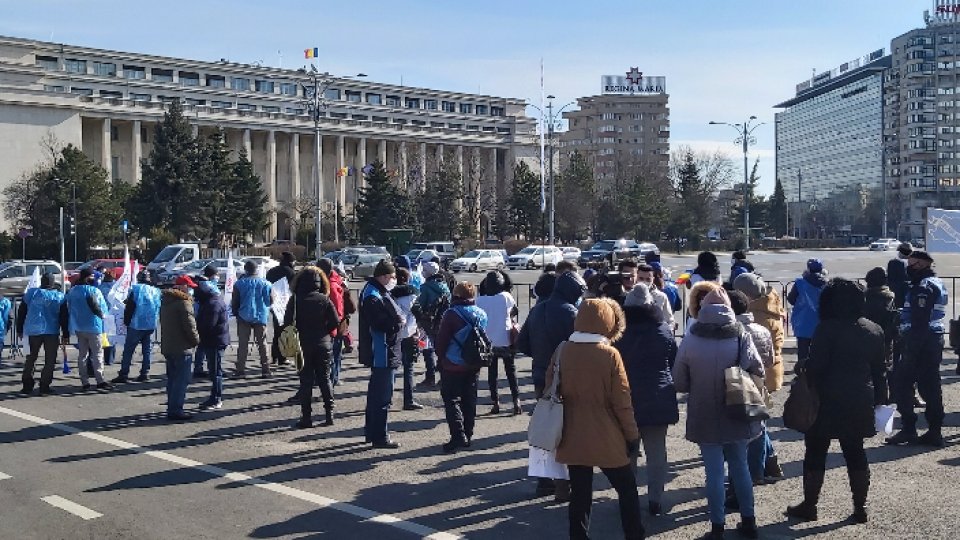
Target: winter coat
x,y
316,316
550,323
282,270
453,332
767,311
761,339
337,289
404,296
5,307
432,290
86,306
544,286
880,307
178,328
648,350
380,320
898,279
211,319
39,313
846,368
142,307
709,349
252,297
805,298
598,418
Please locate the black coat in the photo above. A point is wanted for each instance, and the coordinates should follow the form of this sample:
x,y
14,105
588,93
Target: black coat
x,y
846,367
283,270
316,317
211,319
648,350
880,308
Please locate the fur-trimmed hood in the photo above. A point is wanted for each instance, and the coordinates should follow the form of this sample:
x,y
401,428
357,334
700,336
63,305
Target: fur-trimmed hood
x,y
601,316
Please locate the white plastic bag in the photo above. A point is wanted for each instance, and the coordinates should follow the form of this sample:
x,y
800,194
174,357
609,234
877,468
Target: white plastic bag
x,y
543,464
883,419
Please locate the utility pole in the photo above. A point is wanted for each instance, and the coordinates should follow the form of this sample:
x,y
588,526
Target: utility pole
x,y
63,255
745,139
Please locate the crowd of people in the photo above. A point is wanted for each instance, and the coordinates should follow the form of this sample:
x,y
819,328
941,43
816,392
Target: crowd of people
x,y
608,338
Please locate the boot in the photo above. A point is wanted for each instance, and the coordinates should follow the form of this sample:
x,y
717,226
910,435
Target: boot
x,y
716,532
859,486
562,493
748,527
932,438
906,435
516,407
545,487
807,510
329,418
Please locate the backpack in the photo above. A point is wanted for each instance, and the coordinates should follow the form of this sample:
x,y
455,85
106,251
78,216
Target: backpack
x,y
429,317
476,349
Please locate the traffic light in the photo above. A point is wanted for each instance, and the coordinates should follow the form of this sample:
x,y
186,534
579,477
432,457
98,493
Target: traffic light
x,y
73,226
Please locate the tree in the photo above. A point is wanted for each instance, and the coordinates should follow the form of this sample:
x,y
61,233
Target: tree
x,y
575,199
524,215
643,204
758,205
437,213
479,199
777,210
247,198
696,179
382,205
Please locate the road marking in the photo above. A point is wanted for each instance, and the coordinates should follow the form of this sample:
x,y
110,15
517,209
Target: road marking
x,y
80,511
306,496
4,476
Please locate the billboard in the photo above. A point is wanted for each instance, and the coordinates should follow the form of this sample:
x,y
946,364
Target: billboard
x,y
943,230
634,82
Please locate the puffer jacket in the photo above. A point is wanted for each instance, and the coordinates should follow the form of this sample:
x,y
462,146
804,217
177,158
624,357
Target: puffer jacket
x,y
648,350
211,319
761,339
252,297
709,349
87,307
767,311
453,331
880,307
178,328
550,323
805,298
39,313
142,307
316,316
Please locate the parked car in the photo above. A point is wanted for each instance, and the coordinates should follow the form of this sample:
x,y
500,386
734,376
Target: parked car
x,y
173,257
422,255
611,251
884,244
114,266
14,275
365,265
648,247
571,254
195,269
535,257
264,262
478,260
371,249
445,250
72,265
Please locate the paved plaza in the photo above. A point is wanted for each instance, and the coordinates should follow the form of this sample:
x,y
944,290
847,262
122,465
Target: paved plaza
x,y
107,465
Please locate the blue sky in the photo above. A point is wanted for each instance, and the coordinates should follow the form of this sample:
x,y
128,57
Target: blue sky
x,y
723,61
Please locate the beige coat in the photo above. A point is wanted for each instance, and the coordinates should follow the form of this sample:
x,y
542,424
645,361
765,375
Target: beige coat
x,y
767,311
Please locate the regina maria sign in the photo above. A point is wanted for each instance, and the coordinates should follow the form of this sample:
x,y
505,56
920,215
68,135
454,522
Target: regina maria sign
x,y
634,82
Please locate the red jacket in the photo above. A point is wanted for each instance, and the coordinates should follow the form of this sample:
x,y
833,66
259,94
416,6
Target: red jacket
x,y
337,288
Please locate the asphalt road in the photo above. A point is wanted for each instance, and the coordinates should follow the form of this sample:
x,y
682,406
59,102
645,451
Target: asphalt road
x,y
241,472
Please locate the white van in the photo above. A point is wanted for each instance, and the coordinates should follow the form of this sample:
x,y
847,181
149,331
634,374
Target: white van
x,y
173,257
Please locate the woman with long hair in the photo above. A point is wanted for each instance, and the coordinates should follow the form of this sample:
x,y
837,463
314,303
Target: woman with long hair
x,y
501,309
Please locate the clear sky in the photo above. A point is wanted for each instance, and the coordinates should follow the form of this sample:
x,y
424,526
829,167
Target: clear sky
x,y
724,60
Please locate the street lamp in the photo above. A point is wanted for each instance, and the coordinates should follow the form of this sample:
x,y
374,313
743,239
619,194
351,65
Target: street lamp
x,y
745,139
315,101
551,119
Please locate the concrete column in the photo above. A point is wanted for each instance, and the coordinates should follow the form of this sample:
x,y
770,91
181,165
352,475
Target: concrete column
x,y
137,152
459,161
195,129
439,156
382,151
106,150
360,178
294,166
271,181
422,181
404,171
247,147
341,197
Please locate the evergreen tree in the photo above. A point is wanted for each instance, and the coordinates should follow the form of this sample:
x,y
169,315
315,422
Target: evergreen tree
x,y
382,205
758,206
777,211
211,216
525,217
247,199
437,212
576,199
692,200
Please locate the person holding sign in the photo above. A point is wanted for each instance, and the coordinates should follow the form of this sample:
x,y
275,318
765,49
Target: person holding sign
x,y
39,318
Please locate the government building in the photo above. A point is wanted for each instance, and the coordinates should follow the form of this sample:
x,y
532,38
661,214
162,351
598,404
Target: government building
x,y
108,103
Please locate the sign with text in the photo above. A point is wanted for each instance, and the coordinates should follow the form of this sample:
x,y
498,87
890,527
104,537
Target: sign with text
x,y
634,82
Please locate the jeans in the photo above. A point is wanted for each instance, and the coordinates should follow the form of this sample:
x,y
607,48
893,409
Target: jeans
x,y
408,350
316,370
493,375
758,450
243,337
735,454
90,345
178,377
919,363
654,440
108,353
581,500
459,393
815,455
136,337
337,360
379,399
430,364
50,344
214,359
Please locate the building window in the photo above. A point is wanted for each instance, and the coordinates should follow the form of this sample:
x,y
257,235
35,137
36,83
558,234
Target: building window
x,y
48,62
105,69
288,88
418,122
221,104
466,108
167,99
240,83
496,111
75,66
455,126
293,110
448,106
190,101
161,75
111,94
246,107
360,117
134,72
481,110
189,79
374,99
49,88
380,119
430,104
139,97
413,103
271,109
353,96
332,94
216,81
81,91
264,86
393,101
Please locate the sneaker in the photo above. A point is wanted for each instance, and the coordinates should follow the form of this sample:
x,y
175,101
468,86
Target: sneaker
x,y
104,386
413,407
210,405
143,378
119,379
427,383
26,391
453,445
931,438
238,374
387,444
303,423
46,391
494,410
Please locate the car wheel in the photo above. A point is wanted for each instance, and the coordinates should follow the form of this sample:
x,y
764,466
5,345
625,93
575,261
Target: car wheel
x,y
473,268
530,265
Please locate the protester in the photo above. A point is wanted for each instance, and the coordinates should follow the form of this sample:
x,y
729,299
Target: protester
x,y
340,296
379,349
897,273
252,297
206,282
315,317
501,310
433,301
405,295
921,331
880,307
214,335
140,315
87,307
543,288
708,269
178,337
284,270
39,318
805,299
105,284
648,350
627,269
646,275
846,369
599,429
695,299
668,287
716,342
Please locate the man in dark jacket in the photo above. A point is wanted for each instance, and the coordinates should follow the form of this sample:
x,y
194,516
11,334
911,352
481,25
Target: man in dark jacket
x,y
881,309
214,337
897,273
140,314
275,274
379,348
178,337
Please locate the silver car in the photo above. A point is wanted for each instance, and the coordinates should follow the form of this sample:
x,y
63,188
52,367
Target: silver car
x,y
365,265
14,275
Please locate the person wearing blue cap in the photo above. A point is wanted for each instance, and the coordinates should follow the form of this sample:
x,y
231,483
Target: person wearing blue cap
x,y
805,299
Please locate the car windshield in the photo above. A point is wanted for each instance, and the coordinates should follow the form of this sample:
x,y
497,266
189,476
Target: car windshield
x,y
414,253
349,258
167,254
197,265
527,251
604,245
471,254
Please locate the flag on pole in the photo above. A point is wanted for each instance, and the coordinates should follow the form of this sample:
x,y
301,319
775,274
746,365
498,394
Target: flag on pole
x,y
311,53
113,319
543,126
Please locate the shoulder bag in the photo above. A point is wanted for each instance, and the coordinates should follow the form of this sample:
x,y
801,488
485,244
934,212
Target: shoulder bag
x,y
802,405
744,398
546,424
289,342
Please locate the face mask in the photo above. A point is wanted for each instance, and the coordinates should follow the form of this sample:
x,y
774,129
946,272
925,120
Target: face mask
x,y
390,284
579,301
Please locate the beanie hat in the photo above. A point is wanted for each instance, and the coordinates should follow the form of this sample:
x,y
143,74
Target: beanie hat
x,y
430,269
384,268
717,296
876,277
739,255
706,259
750,285
905,248
638,296
815,266
288,257
209,271
737,271
250,267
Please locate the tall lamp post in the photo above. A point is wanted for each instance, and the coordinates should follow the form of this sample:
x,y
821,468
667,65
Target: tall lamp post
x,y
313,92
745,139
551,121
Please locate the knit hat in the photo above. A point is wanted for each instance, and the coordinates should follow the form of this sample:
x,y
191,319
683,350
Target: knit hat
x,y
876,277
638,296
384,268
209,271
739,255
905,248
430,269
815,266
750,285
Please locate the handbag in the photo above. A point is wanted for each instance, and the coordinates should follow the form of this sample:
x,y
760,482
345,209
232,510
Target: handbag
x,y
546,424
744,398
802,405
289,341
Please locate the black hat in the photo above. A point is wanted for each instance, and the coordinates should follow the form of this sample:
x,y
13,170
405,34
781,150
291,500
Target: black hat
x,y
384,268
876,277
209,271
84,274
922,255
905,248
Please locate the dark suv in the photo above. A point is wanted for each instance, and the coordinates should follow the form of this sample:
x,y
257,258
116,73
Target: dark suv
x,y
610,252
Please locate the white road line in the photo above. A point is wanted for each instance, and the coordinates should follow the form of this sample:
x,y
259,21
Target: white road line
x,y
80,511
4,476
306,496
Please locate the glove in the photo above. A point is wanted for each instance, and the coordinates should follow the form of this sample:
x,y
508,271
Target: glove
x,y
633,447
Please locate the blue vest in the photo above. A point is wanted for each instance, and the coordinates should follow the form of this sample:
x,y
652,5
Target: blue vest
x,y
472,316
82,318
147,299
254,294
939,311
4,316
806,312
43,312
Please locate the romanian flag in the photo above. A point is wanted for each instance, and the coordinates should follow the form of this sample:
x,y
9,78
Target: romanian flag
x,y
311,53
342,171
684,277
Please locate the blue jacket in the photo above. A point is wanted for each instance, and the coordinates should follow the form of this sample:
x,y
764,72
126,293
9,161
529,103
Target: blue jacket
x,y
211,319
87,308
143,307
378,343
550,323
805,297
4,316
251,299
41,315
471,316
649,349
432,289
673,294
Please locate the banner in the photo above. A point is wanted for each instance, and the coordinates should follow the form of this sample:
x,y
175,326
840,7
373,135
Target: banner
x,y
113,325
281,295
228,284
